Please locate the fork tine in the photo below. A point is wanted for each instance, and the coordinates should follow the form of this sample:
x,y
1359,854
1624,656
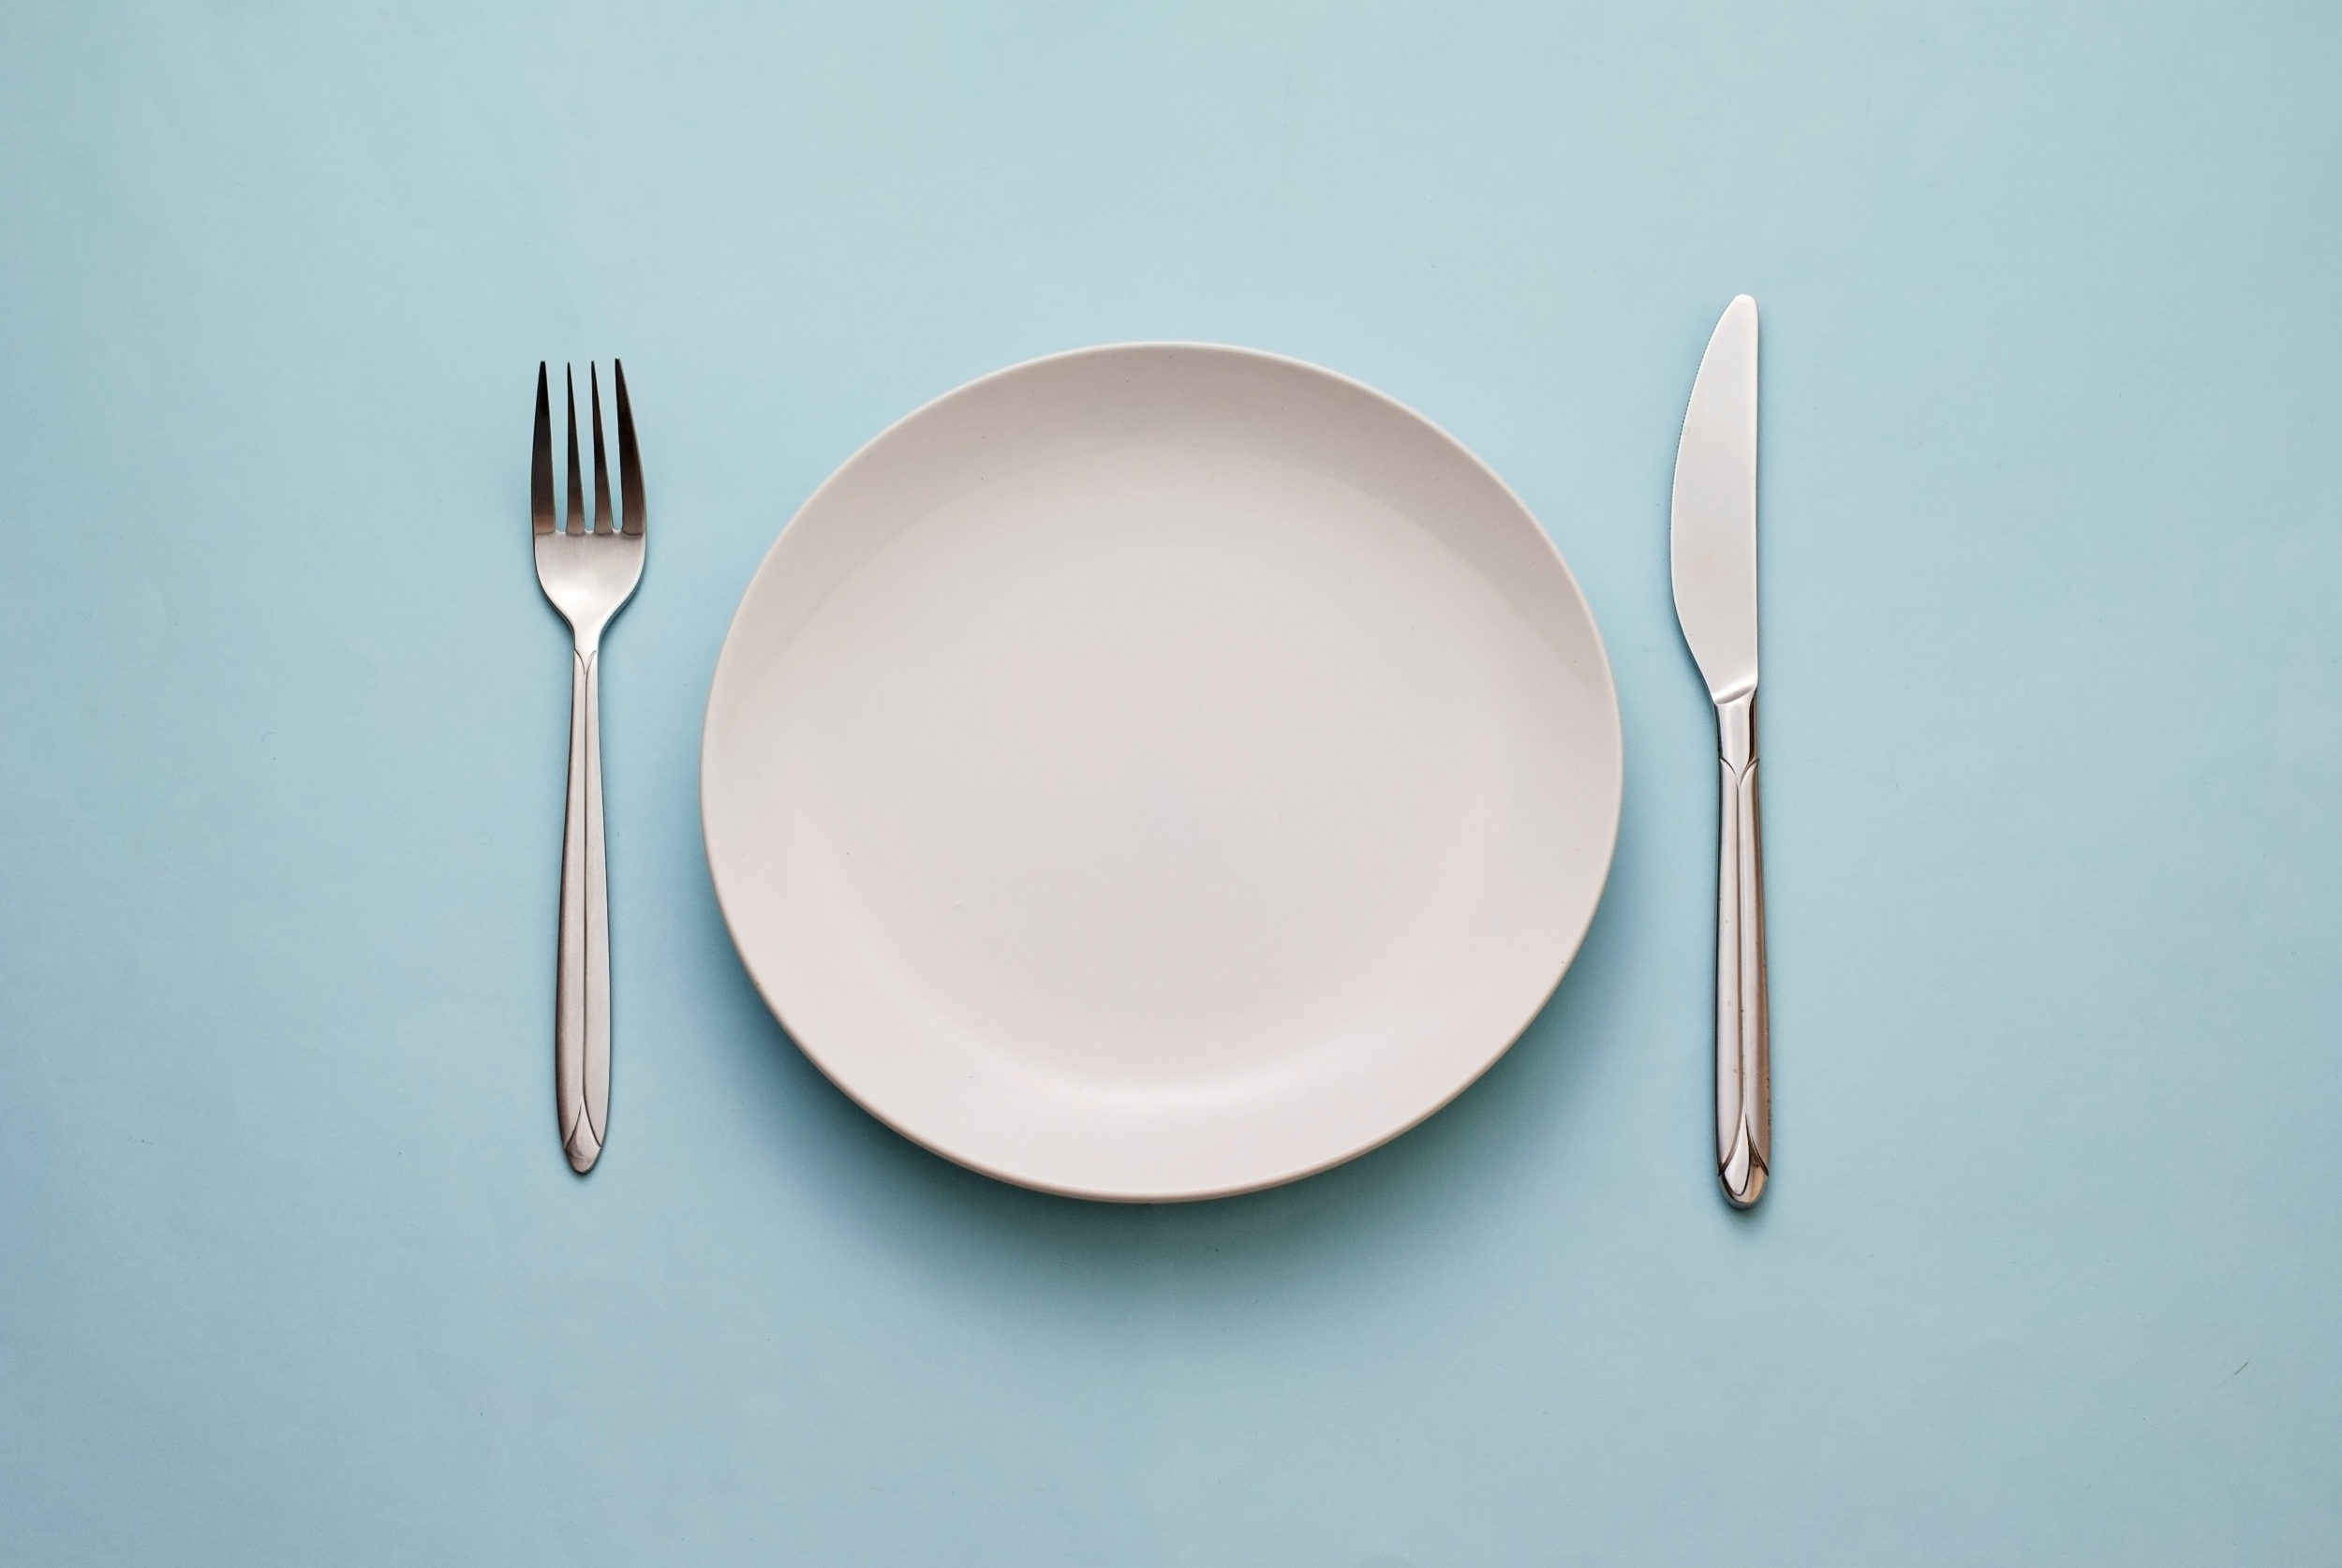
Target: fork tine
x,y
541,460
577,481
629,460
601,468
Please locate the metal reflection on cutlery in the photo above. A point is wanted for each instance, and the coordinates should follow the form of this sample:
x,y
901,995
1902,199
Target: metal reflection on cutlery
x,y
588,572
1714,550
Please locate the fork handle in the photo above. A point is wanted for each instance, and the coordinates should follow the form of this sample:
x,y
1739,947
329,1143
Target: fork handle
x,y
1743,1037
581,1025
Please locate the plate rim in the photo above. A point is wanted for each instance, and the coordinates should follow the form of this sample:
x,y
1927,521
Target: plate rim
x,y
1608,686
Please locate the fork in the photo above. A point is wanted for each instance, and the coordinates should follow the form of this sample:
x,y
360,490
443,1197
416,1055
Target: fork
x,y
588,574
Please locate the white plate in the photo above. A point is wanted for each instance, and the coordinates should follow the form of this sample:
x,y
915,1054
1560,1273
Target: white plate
x,y
1160,771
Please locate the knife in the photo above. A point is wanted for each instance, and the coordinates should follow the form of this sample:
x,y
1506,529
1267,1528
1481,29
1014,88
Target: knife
x,y
1712,552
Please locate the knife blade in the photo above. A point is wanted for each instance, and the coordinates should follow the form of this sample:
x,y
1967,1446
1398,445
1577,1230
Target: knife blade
x,y
1713,556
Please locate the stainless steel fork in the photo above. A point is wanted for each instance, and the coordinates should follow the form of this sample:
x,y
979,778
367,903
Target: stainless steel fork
x,y
588,574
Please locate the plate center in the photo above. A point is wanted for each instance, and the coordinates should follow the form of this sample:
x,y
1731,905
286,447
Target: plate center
x,y
1160,768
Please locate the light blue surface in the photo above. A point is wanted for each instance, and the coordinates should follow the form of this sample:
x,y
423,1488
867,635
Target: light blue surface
x,y
292,1270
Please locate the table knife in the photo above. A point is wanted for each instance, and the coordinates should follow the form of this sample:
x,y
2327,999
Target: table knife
x,y
1712,552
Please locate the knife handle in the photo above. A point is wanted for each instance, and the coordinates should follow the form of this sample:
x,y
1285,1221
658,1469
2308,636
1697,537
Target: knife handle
x,y
1743,1044
581,1014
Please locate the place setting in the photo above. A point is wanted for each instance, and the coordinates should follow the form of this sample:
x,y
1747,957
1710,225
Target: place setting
x,y
1162,771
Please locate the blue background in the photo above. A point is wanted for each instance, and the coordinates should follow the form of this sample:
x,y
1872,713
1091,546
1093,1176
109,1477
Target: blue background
x,y
292,1270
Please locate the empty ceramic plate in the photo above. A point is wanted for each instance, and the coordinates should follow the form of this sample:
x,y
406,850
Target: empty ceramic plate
x,y
1160,771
